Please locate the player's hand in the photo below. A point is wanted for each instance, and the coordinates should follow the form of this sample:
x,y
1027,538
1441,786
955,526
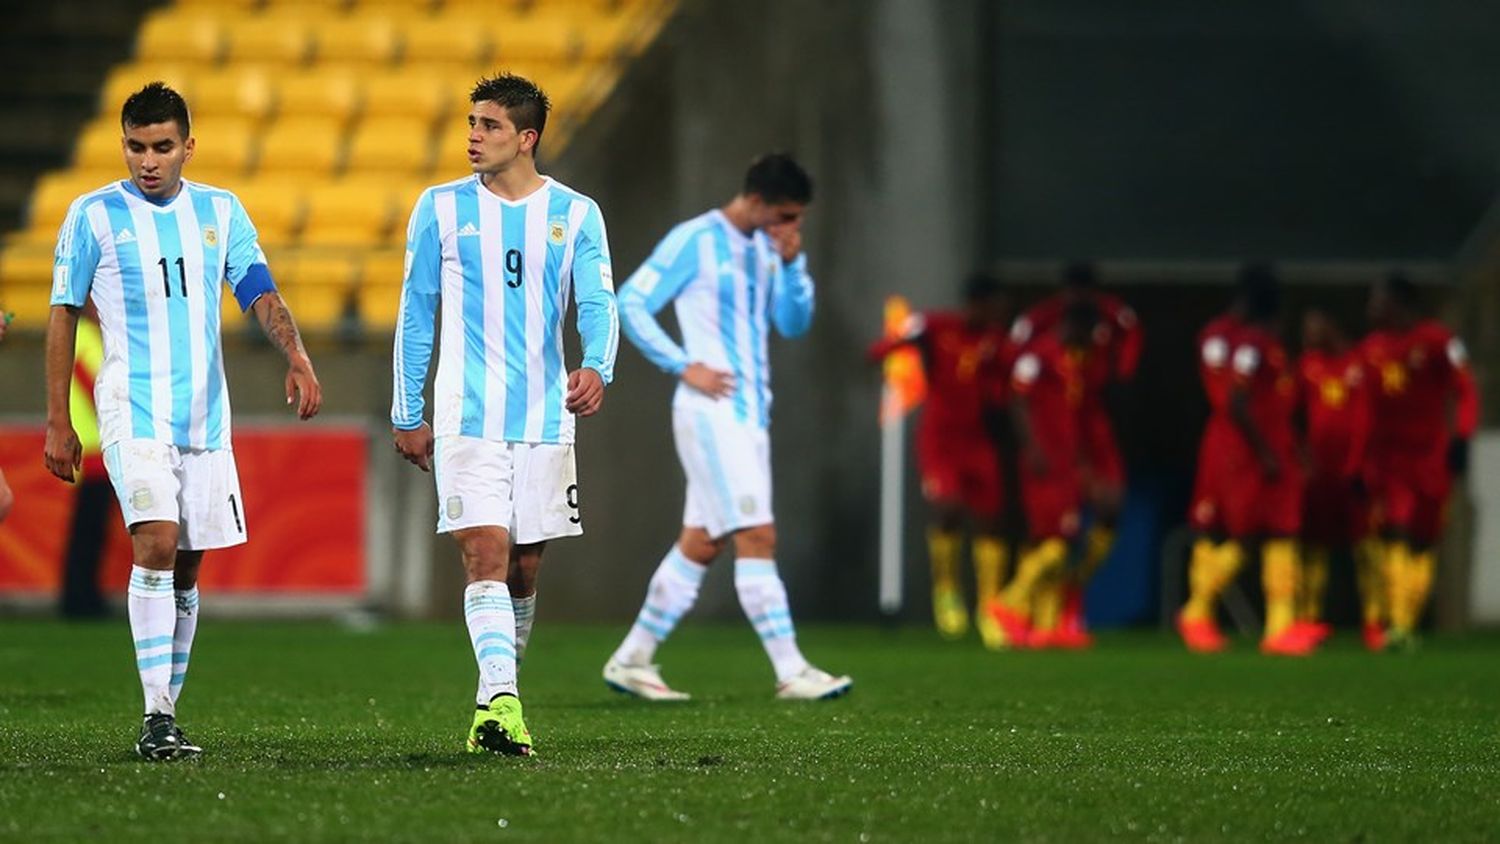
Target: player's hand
x,y
585,392
416,446
302,388
63,452
1458,456
788,240
709,381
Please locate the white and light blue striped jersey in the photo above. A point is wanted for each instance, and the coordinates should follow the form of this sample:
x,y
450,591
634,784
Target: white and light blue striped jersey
x,y
727,288
503,271
156,272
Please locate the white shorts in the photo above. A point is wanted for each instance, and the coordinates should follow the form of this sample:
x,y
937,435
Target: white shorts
x,y
728,469
196,489
530,489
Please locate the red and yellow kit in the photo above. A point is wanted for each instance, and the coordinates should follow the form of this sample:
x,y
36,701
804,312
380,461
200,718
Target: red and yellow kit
x,y
1055,381
1255,503
1336,412
1414,374
1216,344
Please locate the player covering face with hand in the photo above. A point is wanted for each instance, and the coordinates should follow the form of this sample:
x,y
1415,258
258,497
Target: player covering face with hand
x,y
502,251
733,274
154,253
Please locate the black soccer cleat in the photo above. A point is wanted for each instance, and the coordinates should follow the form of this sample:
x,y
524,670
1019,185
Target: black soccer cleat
x,y
185,746
159,739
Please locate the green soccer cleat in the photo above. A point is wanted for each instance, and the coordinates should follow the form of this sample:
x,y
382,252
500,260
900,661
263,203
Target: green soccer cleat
x,y
498,728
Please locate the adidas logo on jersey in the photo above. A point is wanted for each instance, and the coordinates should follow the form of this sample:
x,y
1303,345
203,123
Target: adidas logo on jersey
x,y
468,231
124,237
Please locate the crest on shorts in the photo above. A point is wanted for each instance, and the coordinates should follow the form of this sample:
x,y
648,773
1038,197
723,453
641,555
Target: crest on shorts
x,y
557,232
455,506
141,499
210,236
747,505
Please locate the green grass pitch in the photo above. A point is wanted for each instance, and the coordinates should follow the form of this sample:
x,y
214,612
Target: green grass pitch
x,y
316,732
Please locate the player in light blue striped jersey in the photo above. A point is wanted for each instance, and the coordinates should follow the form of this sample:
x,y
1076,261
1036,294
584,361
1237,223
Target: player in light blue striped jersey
x,y
154,253
502,251
733,273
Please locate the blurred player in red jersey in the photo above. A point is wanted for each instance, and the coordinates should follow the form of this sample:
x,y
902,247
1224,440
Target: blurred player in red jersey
x,y
1419,380
1216,558
1050,384
966,357
1335,517
1117,341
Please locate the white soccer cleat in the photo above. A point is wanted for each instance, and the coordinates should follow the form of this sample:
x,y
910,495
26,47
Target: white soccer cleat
x,y
642,681
813,684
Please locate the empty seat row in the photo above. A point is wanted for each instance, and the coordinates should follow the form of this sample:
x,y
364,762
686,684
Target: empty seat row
x,y
338,91
204,36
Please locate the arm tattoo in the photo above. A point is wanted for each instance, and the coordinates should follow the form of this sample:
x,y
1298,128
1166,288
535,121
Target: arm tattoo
x,y
277,322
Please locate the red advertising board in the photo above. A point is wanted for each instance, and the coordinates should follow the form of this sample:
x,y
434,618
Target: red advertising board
x,y
304,489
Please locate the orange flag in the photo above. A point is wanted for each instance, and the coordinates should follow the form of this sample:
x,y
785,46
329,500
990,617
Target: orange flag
x,y
906,383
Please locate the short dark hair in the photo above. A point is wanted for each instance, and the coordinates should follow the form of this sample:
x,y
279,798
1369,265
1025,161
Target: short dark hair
x,y
155,103
525,103
1082,315
981,286
1259,290
1402,290
1080,274
776,177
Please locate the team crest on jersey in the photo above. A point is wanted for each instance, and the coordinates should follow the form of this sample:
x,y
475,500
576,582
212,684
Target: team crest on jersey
x,y
210,236
557,231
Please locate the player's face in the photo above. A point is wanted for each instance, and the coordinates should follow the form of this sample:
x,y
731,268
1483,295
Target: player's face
x,y
780,215
1381,306
494,142
1315,330
991,310
154,155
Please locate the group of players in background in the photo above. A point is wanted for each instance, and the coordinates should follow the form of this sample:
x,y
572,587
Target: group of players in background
x,y
1349,448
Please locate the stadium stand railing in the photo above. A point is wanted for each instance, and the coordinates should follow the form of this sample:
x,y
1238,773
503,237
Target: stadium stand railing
x,y
327,119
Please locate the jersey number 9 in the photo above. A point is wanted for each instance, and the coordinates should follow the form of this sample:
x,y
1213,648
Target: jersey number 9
x,y
515,264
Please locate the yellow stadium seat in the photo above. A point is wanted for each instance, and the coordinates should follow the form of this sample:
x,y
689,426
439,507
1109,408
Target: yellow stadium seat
x,y
238,6
450,39
276,207
54,192
391,145
187,35
349,213
318,287
275,38
323,93
126,79
223,144
421,92
306,146
26,284
99,146
544,38
240,91
368,38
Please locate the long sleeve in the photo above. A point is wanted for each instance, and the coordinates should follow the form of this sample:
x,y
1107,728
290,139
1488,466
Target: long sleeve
x,y
792,299
412,353
658,281
594,285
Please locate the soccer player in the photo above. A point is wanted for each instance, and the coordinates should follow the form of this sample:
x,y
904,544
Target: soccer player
x,y
966,357
1051,378
1419,378
153,252
733,273
1335,517
500,251
1118,341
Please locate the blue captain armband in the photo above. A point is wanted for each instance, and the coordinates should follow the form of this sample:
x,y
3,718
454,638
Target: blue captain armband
x,y
256,283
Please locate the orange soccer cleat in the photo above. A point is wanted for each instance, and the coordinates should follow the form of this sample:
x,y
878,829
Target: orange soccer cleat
x,y
1201,636
1316,632
1015,627
1374,636
1289,642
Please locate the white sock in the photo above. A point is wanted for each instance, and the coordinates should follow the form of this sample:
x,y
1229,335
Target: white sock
x,y
672,592
182,637
153,615
525,610
763,598
492,631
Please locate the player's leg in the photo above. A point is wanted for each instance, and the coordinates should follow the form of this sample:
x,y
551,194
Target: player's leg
x,y
762,596
525,563
1400,568
1106,495
672,592
1051,504
1419,568
1216,558
986,503
941,465
1278,517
